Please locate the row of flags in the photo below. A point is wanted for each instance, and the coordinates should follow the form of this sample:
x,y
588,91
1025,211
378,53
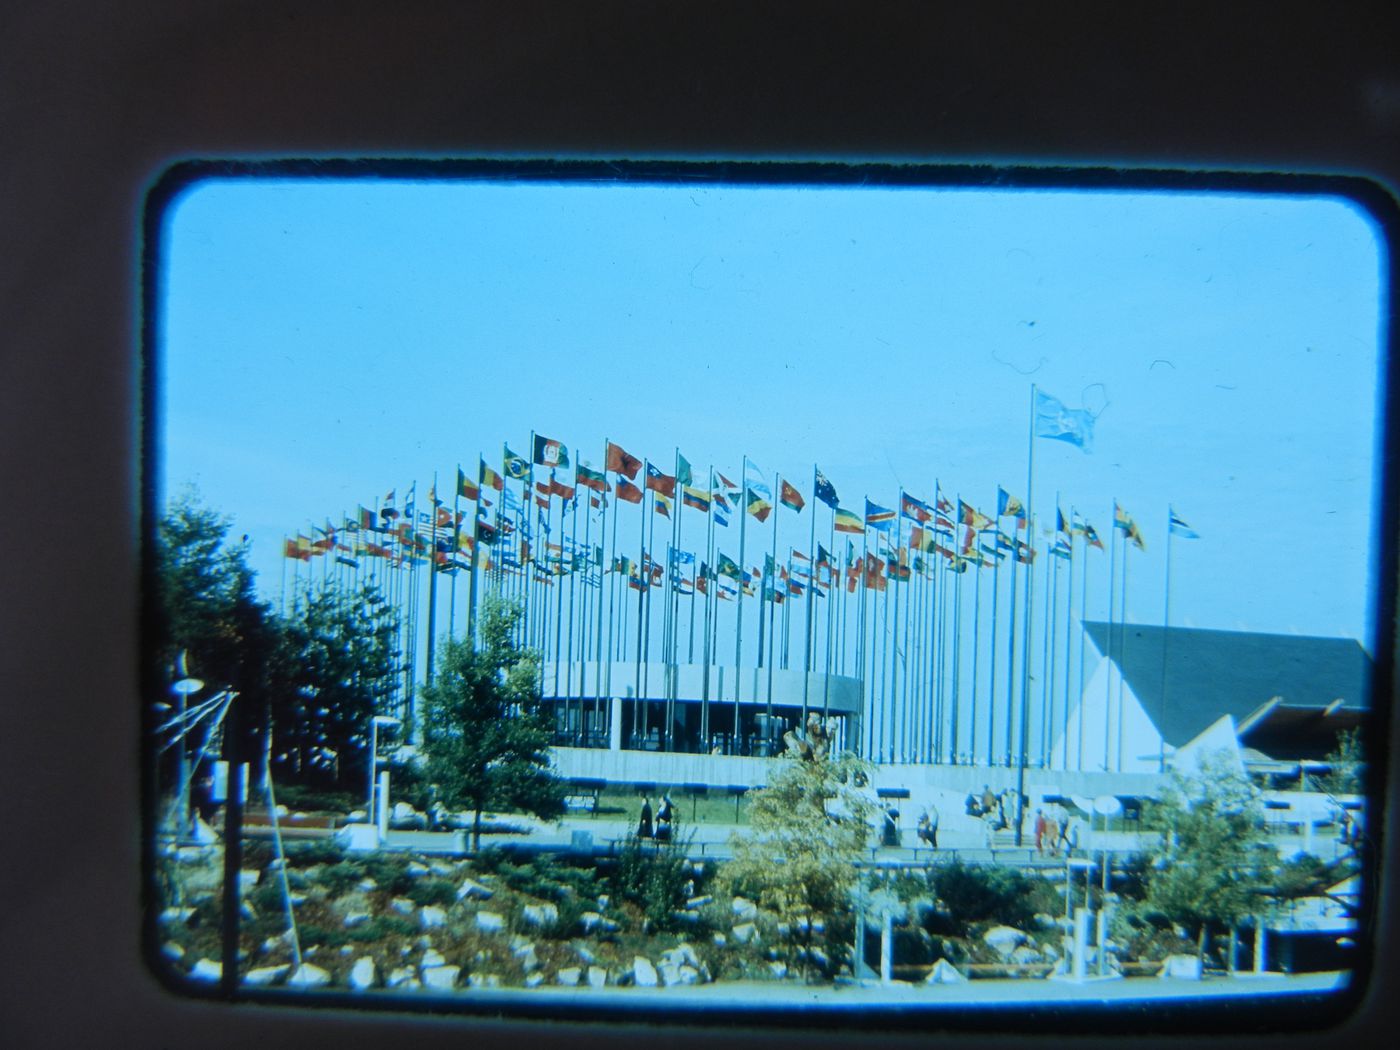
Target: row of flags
x,y
439,532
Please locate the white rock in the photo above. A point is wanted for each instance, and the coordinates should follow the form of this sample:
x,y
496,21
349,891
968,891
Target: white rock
x,y
356,918
1181,968
400,976
366,885
669,971
534,980
779,969
569,976
362,974
584,954
720,939
698,902
597,976
745,932
944,972
603,900
444,871
688,975
490,921
247,880
207,970
432,957
744,909
264,975
1003,940
473,890
1025,955
484,980
431,916
441,977
643,972
357,816
540,914
402,905
174,915
416,869
528,959
309,976
171,950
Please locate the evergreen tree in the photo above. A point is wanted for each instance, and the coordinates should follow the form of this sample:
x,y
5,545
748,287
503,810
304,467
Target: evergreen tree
x,y
486,733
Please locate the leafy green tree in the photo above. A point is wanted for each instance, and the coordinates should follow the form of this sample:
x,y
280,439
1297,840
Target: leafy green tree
x,y
1344,775
335,670
486,733
808,829
1212,863
206,607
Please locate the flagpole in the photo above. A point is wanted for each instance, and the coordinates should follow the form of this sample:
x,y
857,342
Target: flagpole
x,y
1069,628
976,639
1108,652
1122,637
710,585
809,625
891,690
602,572
1083,631
772,607
833,595
867,685
1166,626
1047,663
992,646
739,601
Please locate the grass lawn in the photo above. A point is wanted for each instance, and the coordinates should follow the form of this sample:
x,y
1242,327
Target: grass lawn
x,y
715,808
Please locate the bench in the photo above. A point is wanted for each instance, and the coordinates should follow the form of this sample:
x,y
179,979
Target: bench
x,y
581,803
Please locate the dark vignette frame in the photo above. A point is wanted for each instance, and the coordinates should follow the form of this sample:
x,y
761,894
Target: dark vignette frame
x,y
1259,1013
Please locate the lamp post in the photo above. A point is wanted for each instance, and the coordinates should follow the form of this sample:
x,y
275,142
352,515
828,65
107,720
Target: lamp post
x,y
387,721
184,687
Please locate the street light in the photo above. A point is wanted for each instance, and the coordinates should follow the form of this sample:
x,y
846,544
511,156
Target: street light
x,y
387,721
184,687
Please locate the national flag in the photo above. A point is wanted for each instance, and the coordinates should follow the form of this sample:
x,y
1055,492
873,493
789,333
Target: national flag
x,y
875,573
515,466
1061,548
721,517
619,461
408,503
789,497
591,479
1177,527
1061,527
1004,542
824,556
728,567
721,503
823,489
597,501
485,532
696,499
1091,537
1025,553
366,518
445,518
680,557
991,553
388,511
848,521
659,482
465,488
623,564
558,488
293,549
1123,521
967,537
943,524
921,539
727,594
375,550
490,479
628,492
1054,420
915,509
550,453
878,517
940,501
661,505
753,481
728,485
683,475
759,507
1008,506
972,517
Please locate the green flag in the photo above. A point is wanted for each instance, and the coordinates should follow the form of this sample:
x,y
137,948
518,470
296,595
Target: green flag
x,y
683,471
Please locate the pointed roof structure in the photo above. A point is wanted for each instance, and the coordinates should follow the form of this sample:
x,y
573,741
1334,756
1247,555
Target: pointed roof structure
x,y
1288,694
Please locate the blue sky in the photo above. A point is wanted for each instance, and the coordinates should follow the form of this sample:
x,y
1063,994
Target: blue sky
x,y
323,342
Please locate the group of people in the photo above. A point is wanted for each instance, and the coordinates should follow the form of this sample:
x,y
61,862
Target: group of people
x,y
1055,832
660,831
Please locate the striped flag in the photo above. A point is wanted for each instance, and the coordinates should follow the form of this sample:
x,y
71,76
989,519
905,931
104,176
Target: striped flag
x,y
848,521
915,509
1177,527
878,517
790,497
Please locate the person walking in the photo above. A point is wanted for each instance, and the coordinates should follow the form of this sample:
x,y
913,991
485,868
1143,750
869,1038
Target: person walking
x,y
663,820
1040,827
644,825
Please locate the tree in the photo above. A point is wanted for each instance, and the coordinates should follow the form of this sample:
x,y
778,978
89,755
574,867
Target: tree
x,y
1343,776
335,670
809,828
1213,863
206,607
486,734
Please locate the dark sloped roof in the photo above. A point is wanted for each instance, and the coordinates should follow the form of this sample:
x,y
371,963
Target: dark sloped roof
x,y
1215,673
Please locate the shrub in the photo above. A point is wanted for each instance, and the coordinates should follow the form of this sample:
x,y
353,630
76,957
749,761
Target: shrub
x,y
653,877
342,877
432,891
992,893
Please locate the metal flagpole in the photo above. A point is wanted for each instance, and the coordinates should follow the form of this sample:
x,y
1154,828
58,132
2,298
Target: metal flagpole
x,y
1030,592
976,638
743,509
1166,626
1083,631
1122,638
992,647
867,685
1108,650
809,626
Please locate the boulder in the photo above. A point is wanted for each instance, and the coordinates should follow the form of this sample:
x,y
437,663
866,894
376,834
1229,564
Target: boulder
x,y
356,918
171,950
443,978
173,915
779,969
643,972
400,977
539,914
669,971
1025,955
534,980
603,900
430,916
484,980
683,955
528,959
584,955
591,921
698,902
264,975
569,976
416,869
366,885
944,972
247,880
402,905
745,933
1003,940
432,957
441,870
744,909
490,921
471,890
1181,968
207,970
308,976
362,974
597,976
720,940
